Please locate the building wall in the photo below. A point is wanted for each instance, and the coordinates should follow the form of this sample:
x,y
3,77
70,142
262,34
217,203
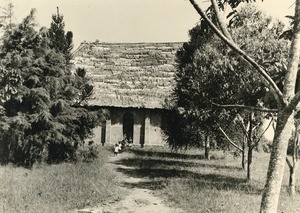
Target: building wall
x,y
99,134
146,128
116,125
155,131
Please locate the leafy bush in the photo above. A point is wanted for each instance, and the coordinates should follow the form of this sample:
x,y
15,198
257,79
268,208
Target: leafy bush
x,y
88,153
43,116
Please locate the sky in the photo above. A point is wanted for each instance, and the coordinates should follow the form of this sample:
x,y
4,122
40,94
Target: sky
x,y
128,20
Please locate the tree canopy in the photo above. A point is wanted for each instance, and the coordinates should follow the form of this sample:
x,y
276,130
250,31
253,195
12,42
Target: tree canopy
x,y
59,40
43,117
214,84
287,98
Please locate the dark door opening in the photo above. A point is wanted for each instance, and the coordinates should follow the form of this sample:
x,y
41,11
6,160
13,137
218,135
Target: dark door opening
x,y
103,133
128,123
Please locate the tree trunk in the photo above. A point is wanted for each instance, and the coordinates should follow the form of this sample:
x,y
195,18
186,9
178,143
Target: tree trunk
x,y
249,144
243,153
272,188
293,171
285,123
292,182
295,161
285,116
207,147
250,150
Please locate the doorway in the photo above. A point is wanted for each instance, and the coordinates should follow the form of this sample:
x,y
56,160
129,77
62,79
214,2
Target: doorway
x,y
128,123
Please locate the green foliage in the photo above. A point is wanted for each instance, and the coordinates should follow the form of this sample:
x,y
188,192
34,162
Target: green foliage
x,y
43,117
59,40
182,132
6,17
210,75
88,153
289,32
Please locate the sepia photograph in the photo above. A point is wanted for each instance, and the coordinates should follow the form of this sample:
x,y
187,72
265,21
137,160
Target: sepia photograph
x,y
149,106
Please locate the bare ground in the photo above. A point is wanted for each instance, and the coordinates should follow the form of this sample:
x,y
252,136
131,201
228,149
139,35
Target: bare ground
x,y
138,200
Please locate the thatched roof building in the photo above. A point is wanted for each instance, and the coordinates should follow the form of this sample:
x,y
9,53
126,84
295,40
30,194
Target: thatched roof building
x,y
139,75
132,81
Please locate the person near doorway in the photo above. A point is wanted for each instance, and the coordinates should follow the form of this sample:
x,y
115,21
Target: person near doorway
x,y
116,149
120,146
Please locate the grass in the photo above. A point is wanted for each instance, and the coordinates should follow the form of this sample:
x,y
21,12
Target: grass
x,y
58,188
184,179
188,181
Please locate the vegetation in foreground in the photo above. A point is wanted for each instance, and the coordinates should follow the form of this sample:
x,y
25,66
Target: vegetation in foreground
x,y
195,184
58,188
44,116
287,95
185,179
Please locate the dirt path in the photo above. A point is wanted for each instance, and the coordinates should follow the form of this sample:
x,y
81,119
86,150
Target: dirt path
x,y
139,200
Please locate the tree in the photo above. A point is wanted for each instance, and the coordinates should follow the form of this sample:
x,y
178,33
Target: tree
x,y
287,98
212,80
7,16
293,163
59,40
293,148
184,132
196,126
43,117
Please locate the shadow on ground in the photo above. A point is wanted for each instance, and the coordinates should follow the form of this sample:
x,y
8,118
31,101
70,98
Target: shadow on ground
x,y
149,163
150,153
156,173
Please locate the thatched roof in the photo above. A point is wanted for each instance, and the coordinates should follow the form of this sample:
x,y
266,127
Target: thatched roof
x,y
129,74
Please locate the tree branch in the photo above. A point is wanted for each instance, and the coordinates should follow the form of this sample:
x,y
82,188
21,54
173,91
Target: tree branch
x,y
229,140
288,163
245,107
291,76
294,101
85,97
220,20
269,82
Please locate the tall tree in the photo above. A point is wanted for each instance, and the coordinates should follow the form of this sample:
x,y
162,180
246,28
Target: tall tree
x,y
59,40
287,98
294,146
7,16
217,86
43,118
196,119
